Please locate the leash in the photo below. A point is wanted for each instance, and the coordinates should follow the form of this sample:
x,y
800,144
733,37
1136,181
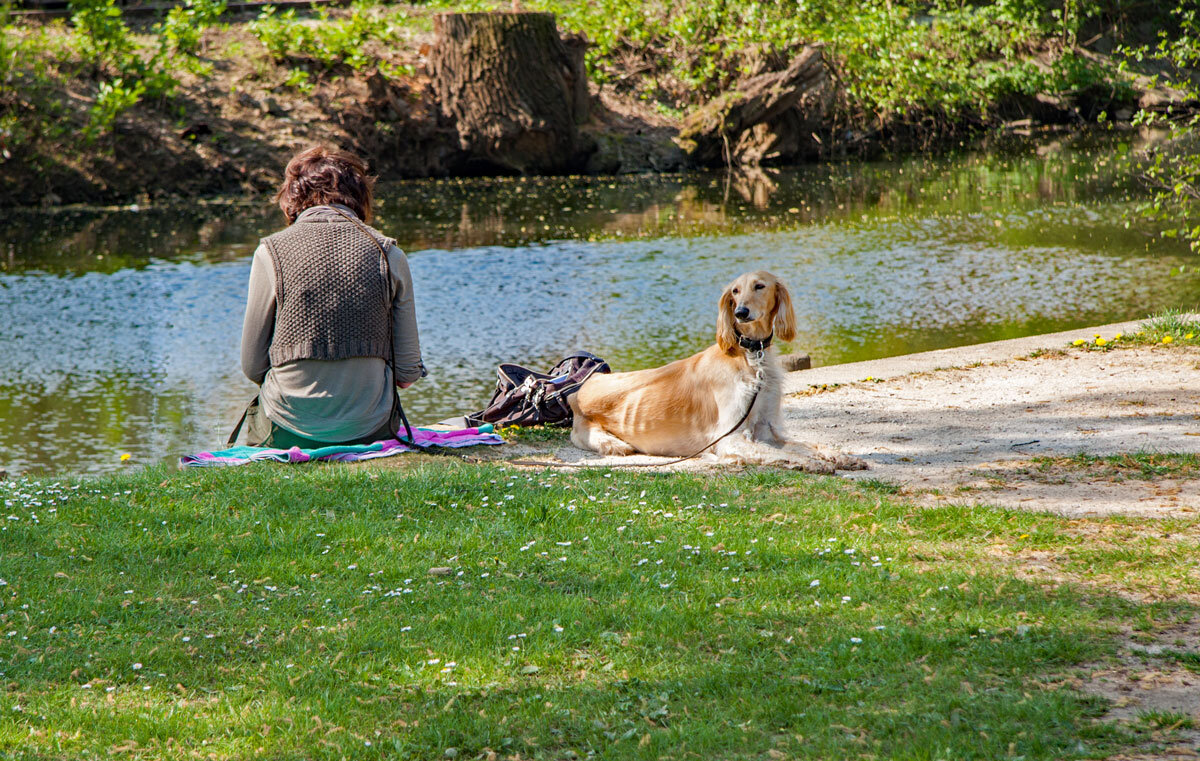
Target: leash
x,y
760,352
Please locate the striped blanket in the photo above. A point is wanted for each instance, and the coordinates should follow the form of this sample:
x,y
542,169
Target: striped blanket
x,y
424,437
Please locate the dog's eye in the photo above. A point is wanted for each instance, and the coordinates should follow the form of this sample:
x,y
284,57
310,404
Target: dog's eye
x,y
759,287
735,291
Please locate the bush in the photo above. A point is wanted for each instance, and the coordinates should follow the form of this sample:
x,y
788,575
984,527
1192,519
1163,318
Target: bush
x,y
180,31
1172,171
113,99
326,42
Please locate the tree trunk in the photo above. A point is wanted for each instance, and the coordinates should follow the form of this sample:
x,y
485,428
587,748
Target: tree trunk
x,y
514,89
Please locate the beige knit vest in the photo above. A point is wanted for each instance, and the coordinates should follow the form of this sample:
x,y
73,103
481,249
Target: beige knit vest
x,y
332,296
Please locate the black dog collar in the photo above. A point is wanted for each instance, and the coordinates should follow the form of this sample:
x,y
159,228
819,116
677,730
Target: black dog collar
x,y
754,344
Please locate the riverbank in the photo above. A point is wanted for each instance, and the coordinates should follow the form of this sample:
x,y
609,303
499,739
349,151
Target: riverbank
x,y
210,103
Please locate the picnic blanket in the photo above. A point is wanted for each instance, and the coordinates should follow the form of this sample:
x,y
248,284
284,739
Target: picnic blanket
x,y
423,437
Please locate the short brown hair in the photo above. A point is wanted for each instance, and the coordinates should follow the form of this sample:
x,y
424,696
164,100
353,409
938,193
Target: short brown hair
x,y
320,175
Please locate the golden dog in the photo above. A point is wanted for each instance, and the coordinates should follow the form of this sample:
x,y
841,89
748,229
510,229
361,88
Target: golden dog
x,y
679,409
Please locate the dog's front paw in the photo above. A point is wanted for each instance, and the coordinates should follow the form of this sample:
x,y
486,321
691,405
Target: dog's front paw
x,y
614,447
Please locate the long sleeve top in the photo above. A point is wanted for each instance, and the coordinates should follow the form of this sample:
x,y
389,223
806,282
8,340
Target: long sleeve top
x,y
335,400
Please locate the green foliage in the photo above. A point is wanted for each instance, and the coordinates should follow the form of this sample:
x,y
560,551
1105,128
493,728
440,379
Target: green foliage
x,y
893,57
1172,171
326,41
298,79
181,29
101,35
126,70
113,98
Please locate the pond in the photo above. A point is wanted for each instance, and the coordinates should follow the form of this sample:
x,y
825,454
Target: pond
x,y
121,326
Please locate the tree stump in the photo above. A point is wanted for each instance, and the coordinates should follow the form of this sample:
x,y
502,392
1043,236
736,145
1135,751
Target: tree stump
x,y
764,119
514,89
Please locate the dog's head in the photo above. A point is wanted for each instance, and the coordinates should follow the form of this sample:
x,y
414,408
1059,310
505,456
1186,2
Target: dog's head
x,y
755,305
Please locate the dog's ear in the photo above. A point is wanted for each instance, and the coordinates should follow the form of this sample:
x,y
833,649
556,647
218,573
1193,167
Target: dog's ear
x,y
726,334
785,316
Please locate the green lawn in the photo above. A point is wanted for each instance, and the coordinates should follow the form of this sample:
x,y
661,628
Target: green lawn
x,y
291,612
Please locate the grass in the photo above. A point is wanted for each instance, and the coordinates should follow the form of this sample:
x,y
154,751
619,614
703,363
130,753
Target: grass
x,y
1180,325
1145,466
291,613
537,434
1169,327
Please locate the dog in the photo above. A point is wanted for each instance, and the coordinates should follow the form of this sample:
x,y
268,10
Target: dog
x,y
684,407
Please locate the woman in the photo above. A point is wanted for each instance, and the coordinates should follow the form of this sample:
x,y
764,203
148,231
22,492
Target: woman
x,y
330,326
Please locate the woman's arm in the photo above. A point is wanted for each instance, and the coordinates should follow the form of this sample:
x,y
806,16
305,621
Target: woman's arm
x,y
259,325
405,342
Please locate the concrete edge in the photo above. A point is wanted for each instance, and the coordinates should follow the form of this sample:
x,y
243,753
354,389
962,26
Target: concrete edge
x,y
958,356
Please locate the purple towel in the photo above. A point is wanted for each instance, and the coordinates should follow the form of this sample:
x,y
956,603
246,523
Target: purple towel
x,y
424,437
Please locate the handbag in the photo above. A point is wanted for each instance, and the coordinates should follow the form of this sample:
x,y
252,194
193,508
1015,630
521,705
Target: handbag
x,y
526,397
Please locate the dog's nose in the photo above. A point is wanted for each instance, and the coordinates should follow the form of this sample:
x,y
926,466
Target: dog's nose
x,y
741,313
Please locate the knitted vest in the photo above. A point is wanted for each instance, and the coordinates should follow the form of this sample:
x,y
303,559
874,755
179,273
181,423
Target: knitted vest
x,y
332,296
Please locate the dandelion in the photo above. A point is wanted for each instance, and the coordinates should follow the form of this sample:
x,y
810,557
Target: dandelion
x,y
1168,339
1117,337
126,457
1078,342
1189,336
1101,342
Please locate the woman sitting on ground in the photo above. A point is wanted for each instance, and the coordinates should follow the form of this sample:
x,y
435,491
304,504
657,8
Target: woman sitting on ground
x,y
330,328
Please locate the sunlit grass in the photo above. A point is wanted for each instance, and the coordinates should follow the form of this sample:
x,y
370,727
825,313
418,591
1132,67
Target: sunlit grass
x,y
1171,325
292,613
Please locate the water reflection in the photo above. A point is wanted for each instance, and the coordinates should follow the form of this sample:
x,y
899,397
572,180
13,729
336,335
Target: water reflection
x,y
121,326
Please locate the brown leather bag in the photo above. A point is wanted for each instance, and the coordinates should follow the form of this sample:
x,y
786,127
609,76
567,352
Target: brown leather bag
x,y
526,397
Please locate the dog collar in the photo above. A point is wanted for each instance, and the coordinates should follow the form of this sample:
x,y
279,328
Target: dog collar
x,y
754,344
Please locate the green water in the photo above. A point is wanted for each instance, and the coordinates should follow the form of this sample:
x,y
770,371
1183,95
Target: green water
x,y
122,325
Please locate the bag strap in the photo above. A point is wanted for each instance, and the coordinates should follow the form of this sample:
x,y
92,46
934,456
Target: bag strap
x,y
387,269
238,428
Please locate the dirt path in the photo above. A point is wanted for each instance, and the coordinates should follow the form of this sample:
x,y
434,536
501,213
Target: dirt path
x,y
971,433
1010,423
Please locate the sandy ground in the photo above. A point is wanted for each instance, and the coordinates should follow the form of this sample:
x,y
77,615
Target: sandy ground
x,y
963,425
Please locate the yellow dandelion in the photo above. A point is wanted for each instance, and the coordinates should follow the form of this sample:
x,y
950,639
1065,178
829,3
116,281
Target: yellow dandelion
x,y
869,378
1189,336
126,457
1078,342
1023,536
1117,337
1167,339
1101,342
